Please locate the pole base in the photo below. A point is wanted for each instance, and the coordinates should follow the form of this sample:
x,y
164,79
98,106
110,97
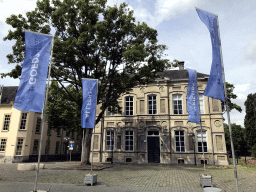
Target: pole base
x,y
90,179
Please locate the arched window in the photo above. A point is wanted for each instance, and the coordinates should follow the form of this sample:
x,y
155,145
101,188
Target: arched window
x,y
129,140
201,140
201,103
177,104
129,105
152,107
110,140
179,141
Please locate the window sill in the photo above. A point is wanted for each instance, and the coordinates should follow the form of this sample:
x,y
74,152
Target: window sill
x,y
5,130
37,133
22,130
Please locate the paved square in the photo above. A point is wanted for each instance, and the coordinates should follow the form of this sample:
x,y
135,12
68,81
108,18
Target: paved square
x,y
132,177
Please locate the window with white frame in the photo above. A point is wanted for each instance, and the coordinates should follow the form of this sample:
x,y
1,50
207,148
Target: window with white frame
x,y
38,125
35,147
152,104
109,140
23,121
201,103
128,140
3,145
109,113
129,105
201,140
179,141
19,146
7,119
177,103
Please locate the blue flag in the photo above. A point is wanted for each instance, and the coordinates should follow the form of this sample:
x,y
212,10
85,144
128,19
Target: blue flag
x,y
31,91
192,98
214,87
89,102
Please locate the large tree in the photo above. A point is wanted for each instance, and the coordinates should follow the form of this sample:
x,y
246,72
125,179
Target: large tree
x,y
91,40
250,120
238,137
230,95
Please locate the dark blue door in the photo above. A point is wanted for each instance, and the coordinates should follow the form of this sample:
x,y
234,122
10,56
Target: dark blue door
x,y
153,150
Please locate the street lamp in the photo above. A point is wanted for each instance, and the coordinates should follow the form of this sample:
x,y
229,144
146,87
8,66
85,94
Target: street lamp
x,y
193,140
66,139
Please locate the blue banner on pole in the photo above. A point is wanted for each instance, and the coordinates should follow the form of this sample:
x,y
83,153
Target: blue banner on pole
x,y
88,112
31,91
192,98
214,87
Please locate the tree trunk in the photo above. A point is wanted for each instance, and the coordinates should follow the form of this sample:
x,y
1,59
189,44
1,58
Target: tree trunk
x,y
86,147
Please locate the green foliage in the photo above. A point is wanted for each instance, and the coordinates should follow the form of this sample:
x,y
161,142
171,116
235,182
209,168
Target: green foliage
x,y
238,139
254,150
61,112
231,95
250,120
91,40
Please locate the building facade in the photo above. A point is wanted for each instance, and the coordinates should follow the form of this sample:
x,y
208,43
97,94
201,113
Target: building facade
x,y
153,126
20,133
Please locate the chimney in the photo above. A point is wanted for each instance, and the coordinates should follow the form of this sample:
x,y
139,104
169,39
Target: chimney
x,y
181,65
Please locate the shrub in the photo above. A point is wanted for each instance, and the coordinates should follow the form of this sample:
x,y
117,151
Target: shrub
x,y
254,150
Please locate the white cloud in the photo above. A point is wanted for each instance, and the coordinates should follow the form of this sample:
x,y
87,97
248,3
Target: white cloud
x,y
250,51
164,10
241,88
9,7
241,96
114,2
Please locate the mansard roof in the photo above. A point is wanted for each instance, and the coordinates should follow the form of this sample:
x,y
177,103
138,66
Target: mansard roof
x,y
8,94
180,75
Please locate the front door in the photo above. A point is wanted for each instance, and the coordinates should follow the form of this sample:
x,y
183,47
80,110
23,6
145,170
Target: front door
x,y
153,150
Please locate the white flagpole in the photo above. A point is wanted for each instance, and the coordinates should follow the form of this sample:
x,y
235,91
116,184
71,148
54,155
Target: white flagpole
x,y
94,129
211,130
92,148
200,123
228,115
44,114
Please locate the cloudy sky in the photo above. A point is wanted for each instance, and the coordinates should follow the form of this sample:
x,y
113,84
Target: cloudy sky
x,y
186,37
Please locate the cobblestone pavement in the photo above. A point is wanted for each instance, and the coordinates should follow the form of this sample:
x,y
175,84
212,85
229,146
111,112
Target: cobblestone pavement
x,y
151,177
